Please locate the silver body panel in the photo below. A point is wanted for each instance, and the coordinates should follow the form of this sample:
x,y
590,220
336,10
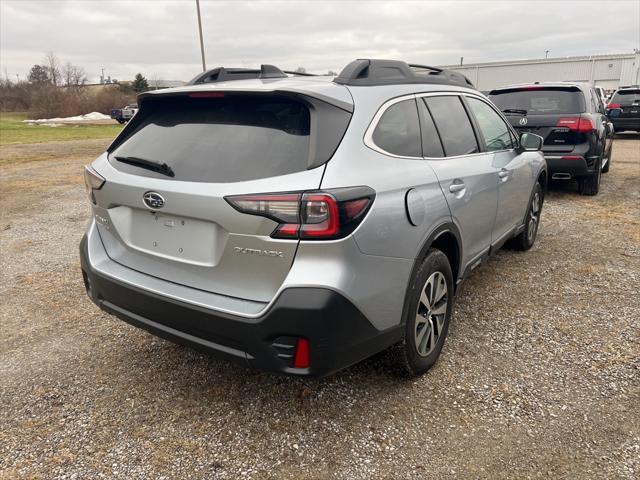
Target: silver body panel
x,y
371,267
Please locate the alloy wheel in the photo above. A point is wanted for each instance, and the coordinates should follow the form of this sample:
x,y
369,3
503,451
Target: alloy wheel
x,y
534,216
431,313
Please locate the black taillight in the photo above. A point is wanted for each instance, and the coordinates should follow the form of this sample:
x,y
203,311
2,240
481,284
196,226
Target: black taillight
x,y
316,215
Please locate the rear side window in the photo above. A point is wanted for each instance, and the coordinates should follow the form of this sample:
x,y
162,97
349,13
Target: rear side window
x,y
431,144
398,130
540,100
494,130
227,139
453,125
626,97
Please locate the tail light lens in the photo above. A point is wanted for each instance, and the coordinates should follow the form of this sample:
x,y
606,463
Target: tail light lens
x,y
614,106
320,215
576,124
92,181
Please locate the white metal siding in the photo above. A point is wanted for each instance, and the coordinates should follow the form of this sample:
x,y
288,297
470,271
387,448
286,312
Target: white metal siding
x,y
608,71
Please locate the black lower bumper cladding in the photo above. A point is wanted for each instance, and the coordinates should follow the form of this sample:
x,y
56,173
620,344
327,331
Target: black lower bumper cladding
x,y
339,334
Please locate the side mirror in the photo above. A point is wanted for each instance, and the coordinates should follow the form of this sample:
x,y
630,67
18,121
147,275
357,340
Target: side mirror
x,y
530,142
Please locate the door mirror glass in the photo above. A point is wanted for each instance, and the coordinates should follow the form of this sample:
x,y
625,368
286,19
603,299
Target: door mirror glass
x,y
530,142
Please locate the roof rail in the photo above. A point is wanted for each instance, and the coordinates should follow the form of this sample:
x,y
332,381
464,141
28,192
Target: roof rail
x,y
222,74
301,74
368,72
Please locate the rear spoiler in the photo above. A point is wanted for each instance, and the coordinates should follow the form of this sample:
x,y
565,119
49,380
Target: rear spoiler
x,y
277,88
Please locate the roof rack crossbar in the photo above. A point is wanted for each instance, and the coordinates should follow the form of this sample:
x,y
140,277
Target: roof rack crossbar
x,y
369,72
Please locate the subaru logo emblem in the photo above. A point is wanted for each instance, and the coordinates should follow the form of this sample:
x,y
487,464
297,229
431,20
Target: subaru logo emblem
x,y
523,121
153,200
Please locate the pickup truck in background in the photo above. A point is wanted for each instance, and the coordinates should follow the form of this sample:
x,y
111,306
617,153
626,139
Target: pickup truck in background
x,y
124,114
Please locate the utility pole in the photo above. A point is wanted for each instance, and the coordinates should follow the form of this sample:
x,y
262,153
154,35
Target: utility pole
x,y
204,65
546,54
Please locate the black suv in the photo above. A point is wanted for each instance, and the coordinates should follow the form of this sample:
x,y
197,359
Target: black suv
x,y
624,109
571,118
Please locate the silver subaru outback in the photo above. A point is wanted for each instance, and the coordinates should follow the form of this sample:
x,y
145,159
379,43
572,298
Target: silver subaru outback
x,y
299,224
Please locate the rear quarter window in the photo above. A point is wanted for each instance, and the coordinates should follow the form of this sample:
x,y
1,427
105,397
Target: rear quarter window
x,y
398,130
540,100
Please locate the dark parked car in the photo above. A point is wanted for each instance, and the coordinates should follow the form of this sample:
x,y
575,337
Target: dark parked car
x,y
571,118
624,109
116,114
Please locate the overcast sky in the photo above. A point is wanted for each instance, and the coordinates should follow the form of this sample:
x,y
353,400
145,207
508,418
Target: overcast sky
x,y
159,37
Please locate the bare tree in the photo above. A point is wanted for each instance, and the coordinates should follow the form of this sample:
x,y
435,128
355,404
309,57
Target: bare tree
x,y
72,75
154,81
53,66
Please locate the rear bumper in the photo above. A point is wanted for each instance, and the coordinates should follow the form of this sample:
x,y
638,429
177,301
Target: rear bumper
x,y
622,124
339,334
567,166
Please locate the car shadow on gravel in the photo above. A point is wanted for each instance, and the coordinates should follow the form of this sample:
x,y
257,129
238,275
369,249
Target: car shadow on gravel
x,y
157,369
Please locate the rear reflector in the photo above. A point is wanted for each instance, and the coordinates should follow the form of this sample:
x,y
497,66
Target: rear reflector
x,y
301,357
318,215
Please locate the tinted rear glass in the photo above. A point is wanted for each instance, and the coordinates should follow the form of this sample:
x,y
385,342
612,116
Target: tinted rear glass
x,y
540,100
626,97
398,131
431,144
229,139
453,125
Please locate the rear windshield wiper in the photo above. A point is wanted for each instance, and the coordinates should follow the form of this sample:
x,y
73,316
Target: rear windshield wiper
x,y
162,168
515,110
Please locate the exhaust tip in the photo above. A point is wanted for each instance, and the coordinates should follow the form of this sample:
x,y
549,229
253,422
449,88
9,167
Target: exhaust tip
x,y
561,176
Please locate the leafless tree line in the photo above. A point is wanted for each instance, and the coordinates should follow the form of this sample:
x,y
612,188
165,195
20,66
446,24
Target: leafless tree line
x,y
58,89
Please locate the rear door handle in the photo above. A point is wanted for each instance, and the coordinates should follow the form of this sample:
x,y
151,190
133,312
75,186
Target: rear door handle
x,y
456,187
504,174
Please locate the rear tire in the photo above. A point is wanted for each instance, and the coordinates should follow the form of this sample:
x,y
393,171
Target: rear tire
x,y
525,239
607,165
591,185
427,315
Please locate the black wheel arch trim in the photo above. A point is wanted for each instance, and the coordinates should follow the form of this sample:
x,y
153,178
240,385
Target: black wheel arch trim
x,y
446,227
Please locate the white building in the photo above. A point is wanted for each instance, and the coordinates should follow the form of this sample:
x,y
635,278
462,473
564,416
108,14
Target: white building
x,y
606,71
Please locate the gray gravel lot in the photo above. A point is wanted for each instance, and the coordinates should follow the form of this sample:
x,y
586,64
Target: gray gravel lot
x,y
540,376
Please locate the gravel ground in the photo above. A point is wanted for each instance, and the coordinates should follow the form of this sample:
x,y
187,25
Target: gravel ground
x,y
540,376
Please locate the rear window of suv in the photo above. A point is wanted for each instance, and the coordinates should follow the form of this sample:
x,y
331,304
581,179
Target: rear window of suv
x,y
540,100
626,97
227,139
